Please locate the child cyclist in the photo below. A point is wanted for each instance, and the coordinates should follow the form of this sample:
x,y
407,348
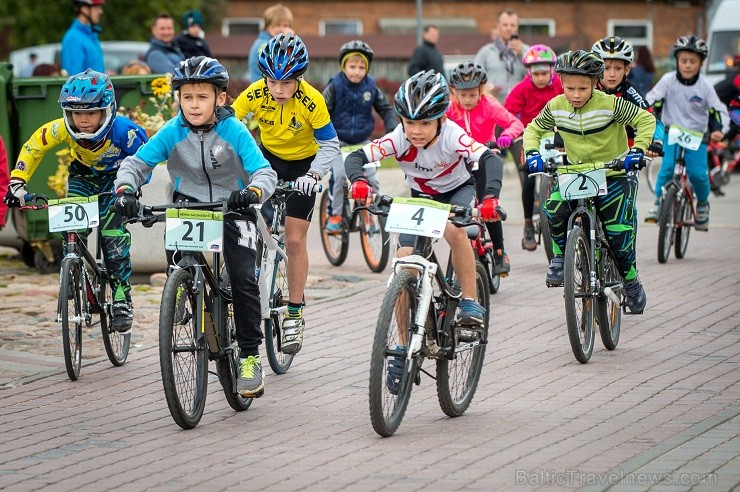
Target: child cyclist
x,y
478,114
300,143
211,156
99,140
432,150
525,101
584,118
685,98
617,55
350,98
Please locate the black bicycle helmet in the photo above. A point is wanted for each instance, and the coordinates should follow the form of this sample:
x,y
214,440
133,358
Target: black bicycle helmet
x,y
468,75
200,69
580,62
614,48
356,46
691,43
424,96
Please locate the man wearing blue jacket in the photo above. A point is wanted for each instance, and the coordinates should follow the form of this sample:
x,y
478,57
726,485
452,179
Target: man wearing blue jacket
x,y
80,45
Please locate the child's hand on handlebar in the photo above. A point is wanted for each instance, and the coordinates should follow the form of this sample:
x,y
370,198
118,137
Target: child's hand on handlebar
x,y
126,203
361,190
16,195
488,209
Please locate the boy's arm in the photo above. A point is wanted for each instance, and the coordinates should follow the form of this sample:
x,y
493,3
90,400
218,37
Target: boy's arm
x,y
719,118
261,174
494,168
386,111
643,122
241,105
328,141
44,139
354,163
658,92
536,129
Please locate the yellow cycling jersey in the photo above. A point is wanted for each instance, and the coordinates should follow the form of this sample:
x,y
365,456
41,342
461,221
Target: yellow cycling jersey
x,y
287,130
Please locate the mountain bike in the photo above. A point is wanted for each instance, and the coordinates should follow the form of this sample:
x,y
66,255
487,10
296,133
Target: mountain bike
x,y
483,248
417,319
84,288
722,160
593,287
373,237
677,210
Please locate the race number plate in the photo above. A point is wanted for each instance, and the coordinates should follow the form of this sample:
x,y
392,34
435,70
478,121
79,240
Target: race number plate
x,y
582,184
418,216
194,230
73,213
687,139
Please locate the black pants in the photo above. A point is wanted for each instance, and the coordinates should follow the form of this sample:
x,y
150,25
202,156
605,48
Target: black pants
x,y
240,256
495,229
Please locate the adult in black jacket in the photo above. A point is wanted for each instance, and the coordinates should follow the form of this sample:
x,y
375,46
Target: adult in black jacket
x,y
191,40
427,56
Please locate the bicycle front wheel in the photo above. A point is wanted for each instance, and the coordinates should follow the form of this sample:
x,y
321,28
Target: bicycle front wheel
x,y
392,374
70,312
335,244
608,308
579,314
375,241
458,375
666,224
182,354
116,344
227,367
685,217
546,185
279,362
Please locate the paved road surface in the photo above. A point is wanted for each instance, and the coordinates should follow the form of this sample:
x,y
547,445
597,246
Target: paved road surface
x,y
661,412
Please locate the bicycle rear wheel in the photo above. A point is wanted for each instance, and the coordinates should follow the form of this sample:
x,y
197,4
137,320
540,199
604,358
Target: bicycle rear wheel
x,y
182,354
388,397
70,311
651,172
336,245
666,224
227,367
457,376
608,309
116,344
546,185
375,241
489,263
685,215
579,314
279,362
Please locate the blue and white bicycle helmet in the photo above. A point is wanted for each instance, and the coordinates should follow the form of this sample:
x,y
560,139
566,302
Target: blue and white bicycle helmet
x,y
284,57
424,96
88,91
200,69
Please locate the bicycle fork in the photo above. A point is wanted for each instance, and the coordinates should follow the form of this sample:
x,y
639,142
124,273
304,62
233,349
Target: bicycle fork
x,y
426,270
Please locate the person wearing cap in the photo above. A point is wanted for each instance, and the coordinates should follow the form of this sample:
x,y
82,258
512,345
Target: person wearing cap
x,y
80,45
192,40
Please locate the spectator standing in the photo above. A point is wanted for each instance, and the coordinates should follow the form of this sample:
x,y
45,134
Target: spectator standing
x,y
32,62
164,54
642,73
278,19
80,45
427,56
502,57
191,41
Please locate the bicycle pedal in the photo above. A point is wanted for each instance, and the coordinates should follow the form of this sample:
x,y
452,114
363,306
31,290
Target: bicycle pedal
x,y
552,284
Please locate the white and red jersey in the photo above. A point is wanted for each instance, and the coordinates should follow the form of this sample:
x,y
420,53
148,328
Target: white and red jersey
x,y
439,168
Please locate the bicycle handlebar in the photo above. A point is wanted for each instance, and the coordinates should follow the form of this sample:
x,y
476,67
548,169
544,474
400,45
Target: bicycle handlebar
x,y
381,205
40,201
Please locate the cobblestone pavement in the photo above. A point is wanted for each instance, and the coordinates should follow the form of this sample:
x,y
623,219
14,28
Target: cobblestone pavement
x,y
661,412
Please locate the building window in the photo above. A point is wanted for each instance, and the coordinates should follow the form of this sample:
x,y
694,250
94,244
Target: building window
x,y
636,32
232,26
544,27
327,27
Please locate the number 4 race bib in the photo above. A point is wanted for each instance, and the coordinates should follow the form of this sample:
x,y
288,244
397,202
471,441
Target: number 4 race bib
x,y
194,230
418,216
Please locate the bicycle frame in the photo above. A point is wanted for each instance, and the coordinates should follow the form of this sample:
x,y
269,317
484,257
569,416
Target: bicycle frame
x,y
685,190
78,251
273,252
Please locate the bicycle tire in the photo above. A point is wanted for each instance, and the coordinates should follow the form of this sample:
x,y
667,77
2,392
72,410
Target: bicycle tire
x,y
70,311
116,344
376,244
227,367
547,183
684,214
457,378
386,409
336,246
279,362
651,173
609,312
182,353
494,281
666,224
576,275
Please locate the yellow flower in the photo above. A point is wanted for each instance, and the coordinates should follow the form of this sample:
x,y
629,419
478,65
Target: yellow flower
x,y
161,86
159,108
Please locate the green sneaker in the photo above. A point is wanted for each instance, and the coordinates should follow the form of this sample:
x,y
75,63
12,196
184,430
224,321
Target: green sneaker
x,y
251,382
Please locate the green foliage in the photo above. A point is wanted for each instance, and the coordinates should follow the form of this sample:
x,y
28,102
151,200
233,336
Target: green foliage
x,y
122,20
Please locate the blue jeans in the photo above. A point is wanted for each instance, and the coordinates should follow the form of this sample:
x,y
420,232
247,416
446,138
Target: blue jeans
x,y
696,168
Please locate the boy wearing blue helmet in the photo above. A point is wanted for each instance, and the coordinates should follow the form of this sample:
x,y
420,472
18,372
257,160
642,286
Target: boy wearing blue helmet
x,y
99,140
299,141
212,157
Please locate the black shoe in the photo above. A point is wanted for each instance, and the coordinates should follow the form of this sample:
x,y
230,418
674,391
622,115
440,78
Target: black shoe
x,y
123,317
555,273
635,297
528,241
501,263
